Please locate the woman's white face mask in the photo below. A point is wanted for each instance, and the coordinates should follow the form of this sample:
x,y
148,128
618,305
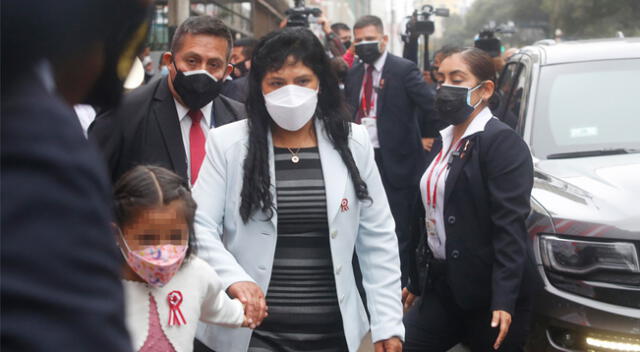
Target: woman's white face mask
x,y
291,106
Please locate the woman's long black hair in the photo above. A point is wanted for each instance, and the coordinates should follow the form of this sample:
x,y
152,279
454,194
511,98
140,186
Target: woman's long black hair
x,y
270,55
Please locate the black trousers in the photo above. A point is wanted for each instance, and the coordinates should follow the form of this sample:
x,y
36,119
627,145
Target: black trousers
x,y
437,323
402,202
200,347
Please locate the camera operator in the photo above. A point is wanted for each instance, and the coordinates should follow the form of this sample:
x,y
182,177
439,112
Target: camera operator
x,y
430,125
333,41
344,33
488,42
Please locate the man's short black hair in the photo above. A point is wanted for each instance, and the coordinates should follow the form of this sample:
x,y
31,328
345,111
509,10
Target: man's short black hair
x,y
369,20
247,45
339,26
206,25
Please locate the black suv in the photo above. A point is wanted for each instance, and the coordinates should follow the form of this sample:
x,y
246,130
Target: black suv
x,y
577,105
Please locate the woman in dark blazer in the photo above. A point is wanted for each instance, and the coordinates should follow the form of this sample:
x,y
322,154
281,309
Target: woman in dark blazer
x,y
473,268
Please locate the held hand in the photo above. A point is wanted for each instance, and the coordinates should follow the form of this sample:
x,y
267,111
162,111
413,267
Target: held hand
x,y
407,299
503,320
390,345
255,306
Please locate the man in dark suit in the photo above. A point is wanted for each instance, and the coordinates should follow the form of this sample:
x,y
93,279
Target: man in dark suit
x,y
165,122
384,92
61,285
238,88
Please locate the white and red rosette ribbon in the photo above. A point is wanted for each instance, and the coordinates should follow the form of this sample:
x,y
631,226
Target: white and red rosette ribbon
x,y
174,298
344,205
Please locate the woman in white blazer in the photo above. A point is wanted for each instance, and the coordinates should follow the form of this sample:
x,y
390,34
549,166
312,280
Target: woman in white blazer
x,y
285,198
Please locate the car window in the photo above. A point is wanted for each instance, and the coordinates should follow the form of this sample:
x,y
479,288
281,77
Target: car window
x,y
510,91
587,106
517,92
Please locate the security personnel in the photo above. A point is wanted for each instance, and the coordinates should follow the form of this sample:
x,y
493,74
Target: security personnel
x,y
477,276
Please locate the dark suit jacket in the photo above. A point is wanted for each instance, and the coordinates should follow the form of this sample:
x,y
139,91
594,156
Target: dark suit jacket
x,y
402,90
487,200
237,89
145,129
61,285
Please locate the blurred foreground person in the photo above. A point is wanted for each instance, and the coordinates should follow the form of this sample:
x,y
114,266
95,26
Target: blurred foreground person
x,y
60,267
475,261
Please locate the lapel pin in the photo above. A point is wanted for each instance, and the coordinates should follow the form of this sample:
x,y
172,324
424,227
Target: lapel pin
x,y
174,298
344,205
464,150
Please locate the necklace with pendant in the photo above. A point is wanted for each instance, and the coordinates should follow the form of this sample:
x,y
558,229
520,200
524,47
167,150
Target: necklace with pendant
x,y
294,155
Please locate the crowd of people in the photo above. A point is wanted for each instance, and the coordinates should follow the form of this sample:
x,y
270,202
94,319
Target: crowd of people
x,y
287,193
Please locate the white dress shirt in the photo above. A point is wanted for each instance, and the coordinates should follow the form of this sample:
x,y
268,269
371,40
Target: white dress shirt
x,y
86,115
185,127
370,122
440,166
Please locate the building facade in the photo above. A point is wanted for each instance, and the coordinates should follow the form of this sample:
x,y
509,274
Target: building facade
x,y
244,18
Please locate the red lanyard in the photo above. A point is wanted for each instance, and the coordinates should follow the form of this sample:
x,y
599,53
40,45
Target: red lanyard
x,y
431,202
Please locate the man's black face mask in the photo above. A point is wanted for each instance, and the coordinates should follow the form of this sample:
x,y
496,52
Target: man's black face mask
x,y
122,44
368,52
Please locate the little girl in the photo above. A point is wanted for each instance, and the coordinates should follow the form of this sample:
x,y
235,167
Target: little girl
x,y
167,289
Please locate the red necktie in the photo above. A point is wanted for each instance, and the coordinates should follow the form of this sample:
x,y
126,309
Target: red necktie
x,y
196,144
365,105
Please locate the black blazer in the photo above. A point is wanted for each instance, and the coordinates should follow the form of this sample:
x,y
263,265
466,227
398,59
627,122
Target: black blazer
x,y
237,89
145,129
487,200
61,285
402,89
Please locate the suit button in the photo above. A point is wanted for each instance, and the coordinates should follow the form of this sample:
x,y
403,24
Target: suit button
x,y
334,234
341,298
455,254
451,220
338,269
262,267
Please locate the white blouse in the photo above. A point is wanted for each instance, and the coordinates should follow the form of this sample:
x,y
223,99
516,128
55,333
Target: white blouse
x,y
203,300
433,181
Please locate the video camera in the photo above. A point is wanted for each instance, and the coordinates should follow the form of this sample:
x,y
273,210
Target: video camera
x,y
488,41
419,22
298,16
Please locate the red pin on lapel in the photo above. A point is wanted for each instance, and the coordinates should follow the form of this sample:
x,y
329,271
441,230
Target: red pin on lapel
x,y
174,298
344,205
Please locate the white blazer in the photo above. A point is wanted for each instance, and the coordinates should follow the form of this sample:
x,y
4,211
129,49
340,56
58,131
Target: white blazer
x,y
203,299
245,252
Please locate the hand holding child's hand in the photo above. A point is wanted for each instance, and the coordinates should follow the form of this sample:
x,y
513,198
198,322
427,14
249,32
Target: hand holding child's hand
x,y
252,297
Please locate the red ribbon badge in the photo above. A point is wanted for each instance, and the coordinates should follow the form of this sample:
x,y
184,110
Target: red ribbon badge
x,y
344,205
174,298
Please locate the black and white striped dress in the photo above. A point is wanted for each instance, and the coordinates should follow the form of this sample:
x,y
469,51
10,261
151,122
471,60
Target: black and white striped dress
x,y
304,314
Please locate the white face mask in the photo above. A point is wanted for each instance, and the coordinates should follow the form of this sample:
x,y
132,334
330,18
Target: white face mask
x,y
291,106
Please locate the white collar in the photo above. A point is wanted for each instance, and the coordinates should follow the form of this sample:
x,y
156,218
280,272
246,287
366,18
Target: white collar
x,y
183,111
379,64
477,125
